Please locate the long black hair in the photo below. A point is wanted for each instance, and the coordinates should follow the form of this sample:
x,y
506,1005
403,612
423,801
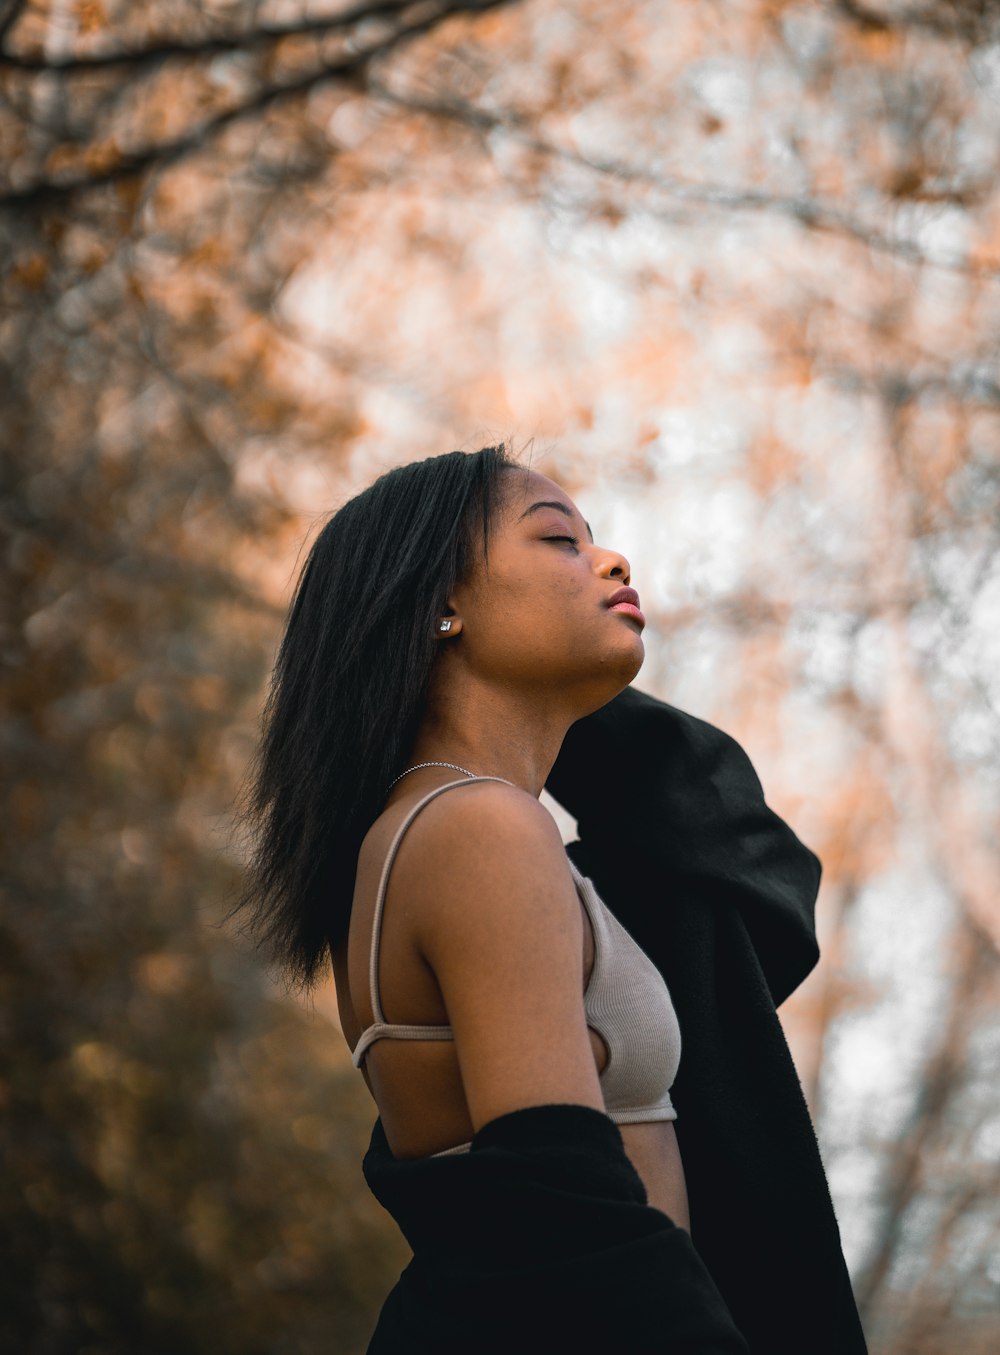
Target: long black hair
x,y
347,692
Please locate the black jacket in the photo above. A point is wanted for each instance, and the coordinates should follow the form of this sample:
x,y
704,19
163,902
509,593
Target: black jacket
x,y
540,1237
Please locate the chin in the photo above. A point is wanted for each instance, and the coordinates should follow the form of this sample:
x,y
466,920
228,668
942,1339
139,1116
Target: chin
x,y
626,663
616,675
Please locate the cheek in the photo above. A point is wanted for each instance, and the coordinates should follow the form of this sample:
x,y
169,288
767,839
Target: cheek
x,y
570,591
550,590
562,600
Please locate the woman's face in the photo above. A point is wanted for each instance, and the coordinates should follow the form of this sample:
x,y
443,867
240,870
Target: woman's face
x,y
538,615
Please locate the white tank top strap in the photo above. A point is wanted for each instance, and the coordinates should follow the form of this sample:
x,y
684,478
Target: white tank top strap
x,y
401,1032
415,1032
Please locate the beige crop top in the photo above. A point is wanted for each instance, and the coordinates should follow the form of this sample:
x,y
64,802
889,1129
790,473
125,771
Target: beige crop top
x,y
626,1001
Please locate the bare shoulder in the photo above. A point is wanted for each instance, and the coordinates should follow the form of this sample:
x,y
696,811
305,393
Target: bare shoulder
x,y
487,840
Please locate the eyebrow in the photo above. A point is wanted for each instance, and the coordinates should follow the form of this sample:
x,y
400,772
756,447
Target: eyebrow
x,y
554,503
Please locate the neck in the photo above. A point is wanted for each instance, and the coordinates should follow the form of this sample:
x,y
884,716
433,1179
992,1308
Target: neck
x,y
495,735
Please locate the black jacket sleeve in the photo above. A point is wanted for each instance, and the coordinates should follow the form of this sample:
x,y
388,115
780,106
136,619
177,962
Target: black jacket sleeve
x,y
541,1239
642,777
720,893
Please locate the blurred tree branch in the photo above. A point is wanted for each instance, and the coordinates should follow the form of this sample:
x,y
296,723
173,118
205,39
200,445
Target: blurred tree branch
x,y
944,1072
249,40
809,212
12,12
970,21
104,163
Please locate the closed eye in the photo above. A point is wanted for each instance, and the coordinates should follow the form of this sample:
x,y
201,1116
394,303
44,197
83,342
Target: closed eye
x,y
574,540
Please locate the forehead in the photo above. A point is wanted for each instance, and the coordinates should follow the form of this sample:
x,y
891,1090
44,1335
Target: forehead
x,y
526,487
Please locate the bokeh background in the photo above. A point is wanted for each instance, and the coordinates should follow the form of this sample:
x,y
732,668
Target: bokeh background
x,y
729,270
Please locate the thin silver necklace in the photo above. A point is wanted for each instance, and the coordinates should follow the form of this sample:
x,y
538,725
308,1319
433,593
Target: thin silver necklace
x,y
453,765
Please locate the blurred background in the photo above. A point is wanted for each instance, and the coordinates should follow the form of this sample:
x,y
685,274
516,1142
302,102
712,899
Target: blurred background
x,y
730,273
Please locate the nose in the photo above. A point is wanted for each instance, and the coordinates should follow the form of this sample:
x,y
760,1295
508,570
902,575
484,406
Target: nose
x,y
613,565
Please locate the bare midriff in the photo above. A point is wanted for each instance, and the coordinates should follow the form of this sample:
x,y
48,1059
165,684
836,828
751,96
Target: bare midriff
x,y
655,1154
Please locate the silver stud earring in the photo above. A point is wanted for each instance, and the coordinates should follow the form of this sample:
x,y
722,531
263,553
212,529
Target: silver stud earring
x,y
446,625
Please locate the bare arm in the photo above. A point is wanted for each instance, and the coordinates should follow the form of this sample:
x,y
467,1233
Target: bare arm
x,y
498,920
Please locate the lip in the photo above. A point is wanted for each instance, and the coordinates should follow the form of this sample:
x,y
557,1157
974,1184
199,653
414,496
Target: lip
x,y
626,601
627,609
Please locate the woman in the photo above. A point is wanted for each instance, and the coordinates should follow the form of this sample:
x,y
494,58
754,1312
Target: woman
x,y
451,625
